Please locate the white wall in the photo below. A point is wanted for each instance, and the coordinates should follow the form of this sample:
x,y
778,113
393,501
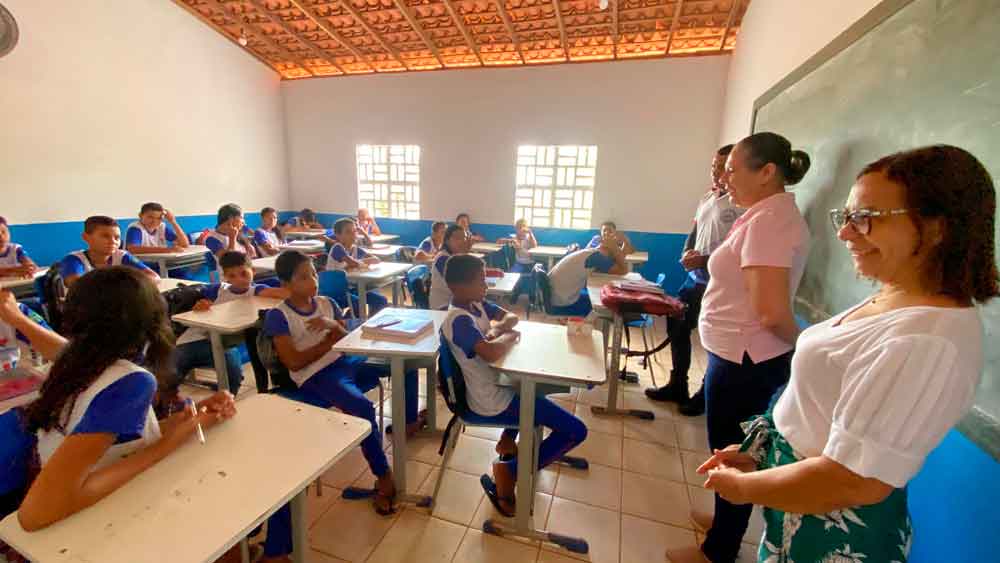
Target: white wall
x,y
656,124
776,37
105,105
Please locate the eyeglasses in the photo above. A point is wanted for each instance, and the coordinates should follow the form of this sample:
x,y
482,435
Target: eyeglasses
x,y
860,220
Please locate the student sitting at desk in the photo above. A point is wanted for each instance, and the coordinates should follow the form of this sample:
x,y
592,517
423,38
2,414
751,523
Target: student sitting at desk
x,y
14,261
346,255
193,347
304,328
269,237
103,237
430,246
456,241
475,344
306,219
10,336
367,223
463,220
569,276
229,233
93,419
150,234
609,230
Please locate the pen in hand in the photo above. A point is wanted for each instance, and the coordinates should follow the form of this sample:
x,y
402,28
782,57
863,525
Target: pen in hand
x,y
194,411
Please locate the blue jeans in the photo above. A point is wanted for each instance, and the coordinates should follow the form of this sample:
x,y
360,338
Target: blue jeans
x,y
567,433
198,354
734,393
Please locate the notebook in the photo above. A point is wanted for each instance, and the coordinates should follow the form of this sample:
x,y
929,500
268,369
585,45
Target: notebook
x,y
397,328
630,285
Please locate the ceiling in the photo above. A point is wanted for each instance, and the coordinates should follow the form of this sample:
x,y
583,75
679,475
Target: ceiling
x,y
306,38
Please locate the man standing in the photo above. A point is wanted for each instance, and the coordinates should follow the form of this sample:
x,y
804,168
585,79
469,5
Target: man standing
x,y
715,216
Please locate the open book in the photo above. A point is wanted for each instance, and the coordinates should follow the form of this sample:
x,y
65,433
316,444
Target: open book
x,y
397,327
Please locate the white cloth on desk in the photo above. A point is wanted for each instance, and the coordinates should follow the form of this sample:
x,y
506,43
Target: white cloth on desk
x,y
877,394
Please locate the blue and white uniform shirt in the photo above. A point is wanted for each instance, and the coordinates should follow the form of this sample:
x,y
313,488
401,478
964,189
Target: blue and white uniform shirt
x,y
569,276
463,329
78,263
137,235
286,320
440,296
11,256
427,245
338,254
10,349
264,236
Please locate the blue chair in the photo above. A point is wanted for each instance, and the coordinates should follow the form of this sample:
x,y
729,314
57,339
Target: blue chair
x,y
644,321
333,284
452,386
418,283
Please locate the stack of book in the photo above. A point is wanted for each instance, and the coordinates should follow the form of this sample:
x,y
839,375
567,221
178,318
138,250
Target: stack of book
x,y
397,327
639,285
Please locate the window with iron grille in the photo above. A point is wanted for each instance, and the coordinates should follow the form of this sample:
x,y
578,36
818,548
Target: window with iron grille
x,y
389,180
555,185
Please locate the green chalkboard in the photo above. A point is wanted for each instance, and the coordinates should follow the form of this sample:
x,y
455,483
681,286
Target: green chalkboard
x,y
910,73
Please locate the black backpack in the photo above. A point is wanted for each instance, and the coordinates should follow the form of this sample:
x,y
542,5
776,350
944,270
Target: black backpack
x,y
179,300
267,367
51,292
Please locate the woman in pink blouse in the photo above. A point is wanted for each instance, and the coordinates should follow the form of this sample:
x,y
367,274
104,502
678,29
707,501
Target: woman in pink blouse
x,y
746,322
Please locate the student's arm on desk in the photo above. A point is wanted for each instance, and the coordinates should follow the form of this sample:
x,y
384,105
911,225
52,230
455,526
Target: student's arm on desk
x,y
492,350
274,292
504,319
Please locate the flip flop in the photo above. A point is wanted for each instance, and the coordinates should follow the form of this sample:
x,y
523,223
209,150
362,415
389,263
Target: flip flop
x,y
421,418
490,488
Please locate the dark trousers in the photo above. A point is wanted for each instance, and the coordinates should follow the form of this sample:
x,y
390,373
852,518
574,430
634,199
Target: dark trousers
x,y
679,329
733,393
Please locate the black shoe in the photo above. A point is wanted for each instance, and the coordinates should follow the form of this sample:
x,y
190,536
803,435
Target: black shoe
x,y
694,407
668,392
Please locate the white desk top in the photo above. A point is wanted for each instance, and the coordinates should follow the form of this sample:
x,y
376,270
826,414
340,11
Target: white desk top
x,y
487,247
207,496
230,317
383,238
637,258
304,233
11,283
378,272
383,250
477,255
546,352
309,245
166,284
504,285
548,251
265,264
193,250
426,347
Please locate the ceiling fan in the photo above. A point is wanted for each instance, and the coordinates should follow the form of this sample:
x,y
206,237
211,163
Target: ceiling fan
x,y
8,31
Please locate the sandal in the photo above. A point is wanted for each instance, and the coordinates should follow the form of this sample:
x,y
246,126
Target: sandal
x,y
490,488
381,500
413,427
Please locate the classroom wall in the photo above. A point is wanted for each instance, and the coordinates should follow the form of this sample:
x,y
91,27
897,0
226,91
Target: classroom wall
x,y
655,124
776,37
105,105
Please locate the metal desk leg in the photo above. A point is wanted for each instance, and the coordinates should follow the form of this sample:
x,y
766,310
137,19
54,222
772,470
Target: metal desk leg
x,y
164,272
219,360
399,434
300,528
526,452
362,300
616,353
395,292
431,393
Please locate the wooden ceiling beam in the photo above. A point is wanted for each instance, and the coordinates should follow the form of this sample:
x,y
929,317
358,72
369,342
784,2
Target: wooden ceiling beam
x,y
674,23
614,26
208,21
275,19
254,31
329,30
460,23
371,31
510,28
562,28
729,23
412,20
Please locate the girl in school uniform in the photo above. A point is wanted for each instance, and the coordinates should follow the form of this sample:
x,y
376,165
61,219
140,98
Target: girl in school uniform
x,y
93,424
346,255
523,240
14,261
463,220
456,241
269,237
430,246
367,223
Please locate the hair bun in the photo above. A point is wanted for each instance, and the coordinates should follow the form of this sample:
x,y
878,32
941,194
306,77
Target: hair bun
x,y
798,166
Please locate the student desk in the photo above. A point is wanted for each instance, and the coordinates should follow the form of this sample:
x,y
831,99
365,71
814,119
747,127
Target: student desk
x,y
190,256
503,286
228,318
22,287
308,246
167,284
604,315
636,259
382,238
422,353
207,497
548,253
376,276
487,247
544,354
384,251
265,264
305,234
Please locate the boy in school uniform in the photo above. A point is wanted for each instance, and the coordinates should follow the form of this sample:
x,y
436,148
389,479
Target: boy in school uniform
x,y
456,241
14,261
346,255
430,246
193,347
475,342
306,219
463,220
608,230
150,233
268,237
568,277
103,237
229,234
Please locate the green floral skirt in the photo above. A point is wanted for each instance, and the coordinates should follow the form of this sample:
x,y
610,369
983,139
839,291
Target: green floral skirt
x,y
877,533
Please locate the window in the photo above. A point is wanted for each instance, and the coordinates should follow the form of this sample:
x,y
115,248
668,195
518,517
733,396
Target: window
x,y
389,180
555,185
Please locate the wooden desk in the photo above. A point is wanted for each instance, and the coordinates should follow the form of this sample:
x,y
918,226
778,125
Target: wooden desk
x,y
376,276
382,238
548,253
23,287
384,251
423,352
189,256
305,234
636,259
504,285
228,318
487,247
166,284
208,497
546,353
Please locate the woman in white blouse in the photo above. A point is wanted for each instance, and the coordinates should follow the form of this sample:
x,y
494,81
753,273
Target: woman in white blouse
x,y
874,389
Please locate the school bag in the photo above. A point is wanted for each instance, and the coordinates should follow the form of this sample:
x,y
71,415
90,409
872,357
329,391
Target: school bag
x,y
181,299
51,288
624,301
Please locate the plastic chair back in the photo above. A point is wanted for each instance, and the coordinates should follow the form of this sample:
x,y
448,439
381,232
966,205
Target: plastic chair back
x,y
333,284
417,279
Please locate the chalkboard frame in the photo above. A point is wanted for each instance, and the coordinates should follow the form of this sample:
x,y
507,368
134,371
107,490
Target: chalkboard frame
x,y
977,425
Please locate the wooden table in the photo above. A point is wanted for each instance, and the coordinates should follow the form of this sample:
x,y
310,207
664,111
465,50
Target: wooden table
x,y
23,287
636,259
305,234
548,253
504,285
166,284
382,238
422,353
190,256
384,251
207,497
228,318
546,353
376,276
487,247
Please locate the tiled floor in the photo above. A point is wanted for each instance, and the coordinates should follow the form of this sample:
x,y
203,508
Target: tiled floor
x,y
631,505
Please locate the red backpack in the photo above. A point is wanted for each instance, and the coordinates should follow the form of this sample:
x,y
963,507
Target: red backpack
x,y
628,301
